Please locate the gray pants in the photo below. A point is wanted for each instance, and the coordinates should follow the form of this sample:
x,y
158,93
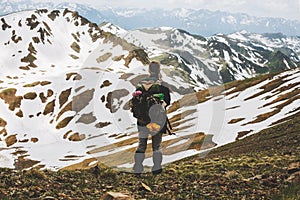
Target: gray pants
x,y
141,149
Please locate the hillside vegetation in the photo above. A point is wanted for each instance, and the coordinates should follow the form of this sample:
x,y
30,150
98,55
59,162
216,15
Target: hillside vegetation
x,y
265,165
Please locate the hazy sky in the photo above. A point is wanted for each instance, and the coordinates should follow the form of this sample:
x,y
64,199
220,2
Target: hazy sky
x,y
289,9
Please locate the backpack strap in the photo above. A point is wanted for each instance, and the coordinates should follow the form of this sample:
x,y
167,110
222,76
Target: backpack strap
x,y
149,83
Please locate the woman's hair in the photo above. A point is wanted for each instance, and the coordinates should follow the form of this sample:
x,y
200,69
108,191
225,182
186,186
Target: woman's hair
x,y
154,69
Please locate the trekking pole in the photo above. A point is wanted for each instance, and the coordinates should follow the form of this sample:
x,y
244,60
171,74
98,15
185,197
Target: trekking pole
x,y
169,123
169,130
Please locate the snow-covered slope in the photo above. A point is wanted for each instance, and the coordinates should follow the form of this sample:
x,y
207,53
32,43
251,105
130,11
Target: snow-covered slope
x,y
65,87
65,81
44,52
209,118
41,52
38,39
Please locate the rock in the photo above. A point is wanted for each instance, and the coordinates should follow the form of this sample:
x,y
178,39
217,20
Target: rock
x,y
116,196
48,198
146,187
294,167
257,177
10,140
294,178
231,174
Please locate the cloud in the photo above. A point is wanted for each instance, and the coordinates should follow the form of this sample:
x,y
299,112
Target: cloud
x,y
263,8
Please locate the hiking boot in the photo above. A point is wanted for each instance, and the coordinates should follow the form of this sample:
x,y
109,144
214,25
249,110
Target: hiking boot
x,y
156,172
137,174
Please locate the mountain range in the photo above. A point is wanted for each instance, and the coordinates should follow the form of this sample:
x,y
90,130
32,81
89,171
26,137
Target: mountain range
x,y
200,22
66,84
216,59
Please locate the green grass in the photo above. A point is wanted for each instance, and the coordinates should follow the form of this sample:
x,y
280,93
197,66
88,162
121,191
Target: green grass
x,y
289,192
255,167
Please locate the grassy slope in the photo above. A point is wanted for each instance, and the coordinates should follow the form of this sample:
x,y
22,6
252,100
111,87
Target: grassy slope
x,y
253,168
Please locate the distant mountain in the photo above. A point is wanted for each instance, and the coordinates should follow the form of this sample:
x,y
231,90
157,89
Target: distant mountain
x,y
200,22
7,7
219,58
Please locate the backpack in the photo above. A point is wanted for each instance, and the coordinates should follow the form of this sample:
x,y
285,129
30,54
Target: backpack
x,y
147,107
